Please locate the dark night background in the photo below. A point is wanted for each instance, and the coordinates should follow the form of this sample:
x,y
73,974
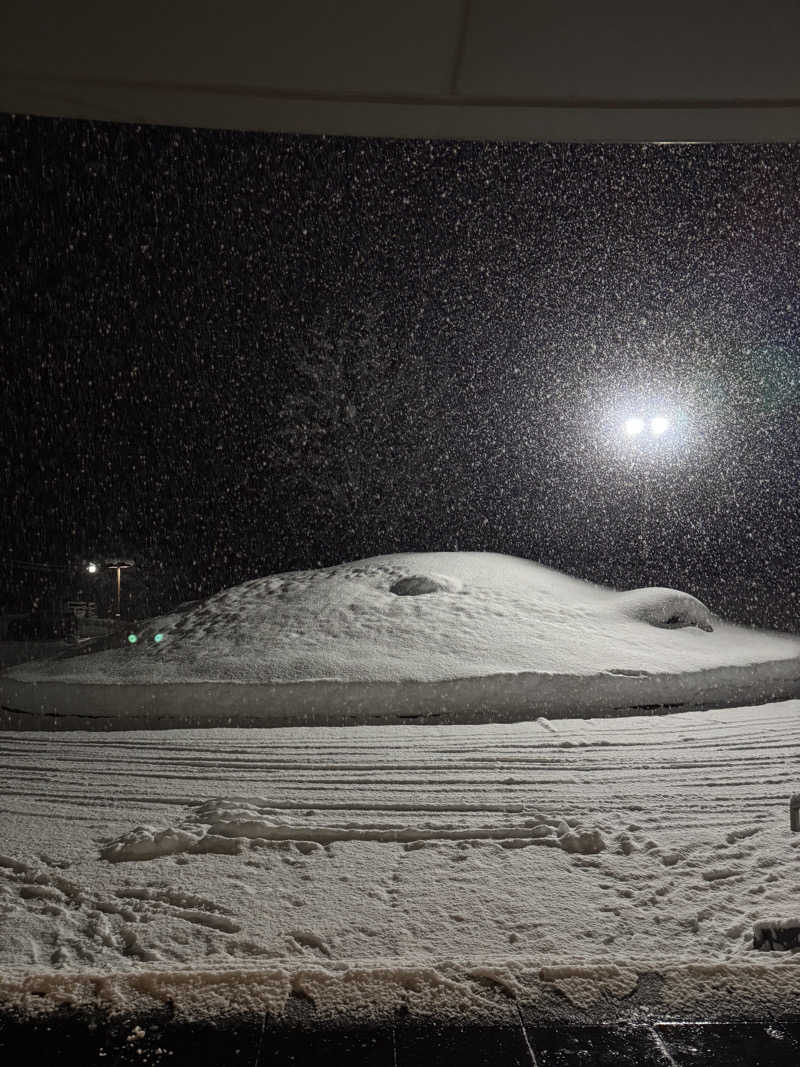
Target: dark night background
x,y
230,354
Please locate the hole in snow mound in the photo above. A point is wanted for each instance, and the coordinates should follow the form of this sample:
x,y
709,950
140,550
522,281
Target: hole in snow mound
x,y
417,585
667,608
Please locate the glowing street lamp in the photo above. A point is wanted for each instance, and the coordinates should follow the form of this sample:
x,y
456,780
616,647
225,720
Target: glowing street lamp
x,y
636,425
118,565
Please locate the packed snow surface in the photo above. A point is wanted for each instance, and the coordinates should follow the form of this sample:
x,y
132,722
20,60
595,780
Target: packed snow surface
x,y
458,636
370,868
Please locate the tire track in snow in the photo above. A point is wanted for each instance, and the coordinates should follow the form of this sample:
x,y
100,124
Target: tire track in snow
x,y
730,756
691,811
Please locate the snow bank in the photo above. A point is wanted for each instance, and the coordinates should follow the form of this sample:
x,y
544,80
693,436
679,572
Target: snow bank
x,y
453,636
463,992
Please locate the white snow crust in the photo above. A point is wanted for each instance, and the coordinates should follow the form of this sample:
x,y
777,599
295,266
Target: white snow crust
x,y
459,871
454,636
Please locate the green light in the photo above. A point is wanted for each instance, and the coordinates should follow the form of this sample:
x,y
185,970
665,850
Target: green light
x,y
158,638
133,638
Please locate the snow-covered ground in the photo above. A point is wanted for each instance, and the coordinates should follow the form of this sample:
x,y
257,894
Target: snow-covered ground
x,y
567,864
448,637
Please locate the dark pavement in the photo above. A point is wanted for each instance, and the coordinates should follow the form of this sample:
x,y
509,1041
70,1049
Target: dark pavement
x,y
112,1042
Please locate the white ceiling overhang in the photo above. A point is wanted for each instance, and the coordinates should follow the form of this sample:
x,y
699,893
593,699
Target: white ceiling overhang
x,y
568,70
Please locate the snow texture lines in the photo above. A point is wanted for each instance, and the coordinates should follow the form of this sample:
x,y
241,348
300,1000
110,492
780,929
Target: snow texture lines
x,y
640,839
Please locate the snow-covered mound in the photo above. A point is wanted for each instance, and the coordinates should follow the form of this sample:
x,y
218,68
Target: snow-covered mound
x,y
466,633
666,607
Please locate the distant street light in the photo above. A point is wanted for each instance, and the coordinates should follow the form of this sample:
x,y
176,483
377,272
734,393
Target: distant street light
x,y
118,565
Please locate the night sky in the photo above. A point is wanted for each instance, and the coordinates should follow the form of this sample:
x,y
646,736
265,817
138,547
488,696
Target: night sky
x,y
228,354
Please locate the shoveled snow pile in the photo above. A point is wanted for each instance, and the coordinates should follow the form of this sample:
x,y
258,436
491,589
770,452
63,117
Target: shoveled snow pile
x,y
421,617
457,636
586,865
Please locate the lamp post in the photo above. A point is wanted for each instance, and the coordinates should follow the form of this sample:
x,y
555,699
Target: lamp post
x,y
645,432
118,565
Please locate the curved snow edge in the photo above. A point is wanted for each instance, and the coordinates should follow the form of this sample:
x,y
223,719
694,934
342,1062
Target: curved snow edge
x,y
374,991
494,698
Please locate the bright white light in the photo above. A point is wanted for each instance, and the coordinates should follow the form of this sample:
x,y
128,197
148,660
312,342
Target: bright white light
x,y
91,568
659,425
634,426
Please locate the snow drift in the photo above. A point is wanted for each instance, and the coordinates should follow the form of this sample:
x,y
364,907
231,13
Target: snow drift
x,y
448,636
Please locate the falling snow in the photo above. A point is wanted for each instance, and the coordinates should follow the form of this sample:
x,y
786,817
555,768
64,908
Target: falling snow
x,y
235,354
231,355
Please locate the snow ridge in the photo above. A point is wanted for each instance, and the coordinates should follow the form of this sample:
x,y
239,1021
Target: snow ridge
x,y
235,824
